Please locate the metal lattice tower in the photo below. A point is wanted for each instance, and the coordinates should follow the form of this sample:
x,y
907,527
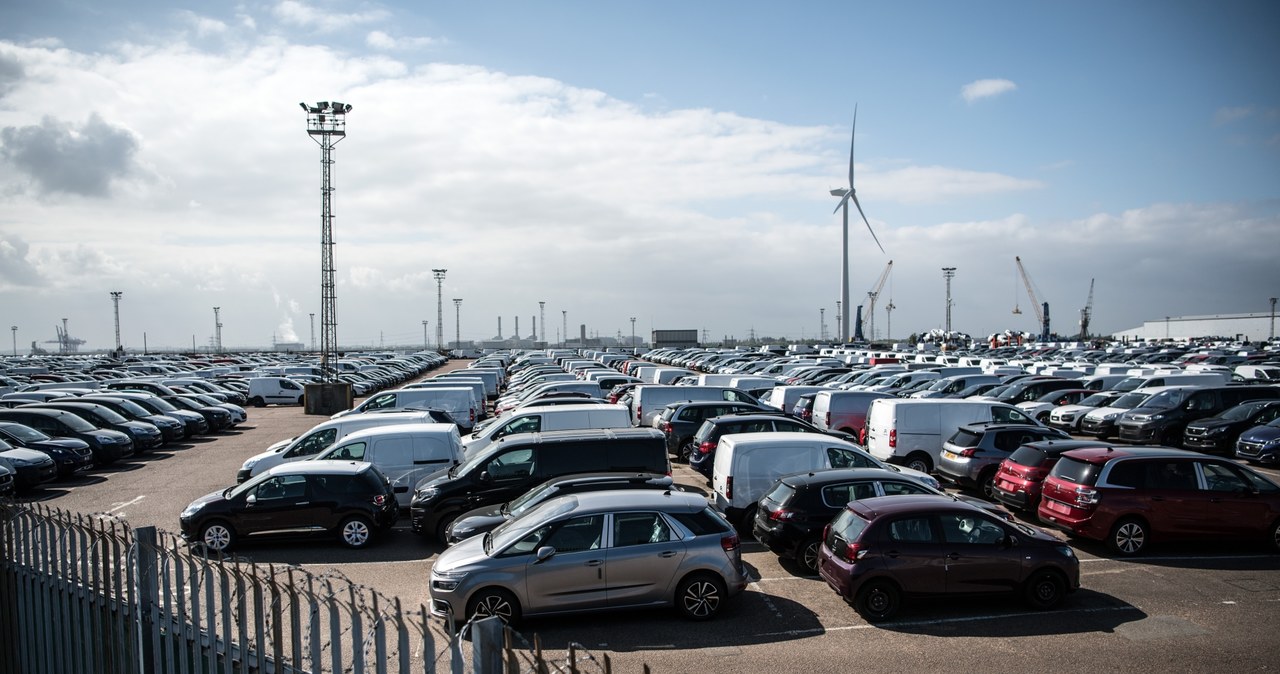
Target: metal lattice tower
x,y
542,320
327,126
115,300
457,323
313,332
217,330
948,273
564,316
439,276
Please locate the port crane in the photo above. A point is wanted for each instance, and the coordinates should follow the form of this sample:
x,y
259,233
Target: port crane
x,y
1086,313
872,295
1041,308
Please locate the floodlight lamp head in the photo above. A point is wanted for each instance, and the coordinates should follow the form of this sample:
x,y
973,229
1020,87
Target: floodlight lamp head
x,y
304,107
323,104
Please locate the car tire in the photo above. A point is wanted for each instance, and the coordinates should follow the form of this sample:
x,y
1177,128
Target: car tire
x,y
807,554
1129,536
217,536
493,601
356,532
1274,540
921,462
748,521
686,450
987,484
1044,590
442,528
877,601
700,597
257,401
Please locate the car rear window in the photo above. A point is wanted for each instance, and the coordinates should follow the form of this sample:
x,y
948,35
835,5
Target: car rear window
x,y
1028,456
703,522
846,528
1077,471
966,438
781,493
704,432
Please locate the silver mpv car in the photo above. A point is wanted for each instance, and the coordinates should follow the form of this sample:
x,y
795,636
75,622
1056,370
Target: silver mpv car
x,y
591,551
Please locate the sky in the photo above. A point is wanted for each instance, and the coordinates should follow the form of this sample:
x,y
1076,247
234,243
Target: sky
x,y
667,162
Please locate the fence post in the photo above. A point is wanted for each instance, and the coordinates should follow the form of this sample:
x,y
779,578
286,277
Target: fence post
x,y
145,564
486,645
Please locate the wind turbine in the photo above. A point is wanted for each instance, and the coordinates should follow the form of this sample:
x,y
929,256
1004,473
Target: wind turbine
x,y
847,195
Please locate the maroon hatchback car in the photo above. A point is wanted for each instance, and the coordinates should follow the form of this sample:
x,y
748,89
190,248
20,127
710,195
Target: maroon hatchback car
x,y
1132,496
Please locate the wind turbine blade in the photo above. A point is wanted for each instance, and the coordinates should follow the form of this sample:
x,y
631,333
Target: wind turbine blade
x,y
864,219
844,200
852,136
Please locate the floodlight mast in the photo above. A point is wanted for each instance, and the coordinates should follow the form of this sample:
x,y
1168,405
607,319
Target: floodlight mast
x,y
327,126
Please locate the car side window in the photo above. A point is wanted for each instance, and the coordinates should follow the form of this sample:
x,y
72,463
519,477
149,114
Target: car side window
x,y
843,458
789,427
283,487
911,530
577,534
515,464
1219,477
970,529
900,488
313,443
1006,415
839,495
351,452
639,529
530,424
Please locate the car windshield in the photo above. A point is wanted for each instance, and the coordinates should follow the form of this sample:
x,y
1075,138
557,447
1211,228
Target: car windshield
x,y
108,415
997,391
517,528
77,424
1242,412
1097,399
530,499
159,405
1167,399
25,433
1129,400
232,492
133,408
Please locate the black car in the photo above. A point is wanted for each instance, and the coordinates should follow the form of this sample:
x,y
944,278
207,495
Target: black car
x,y
69,454
703,452
790,518
31,468
1218,434
352,500
108,446
680,421
218,418
485,518
194,422
145,436
172,429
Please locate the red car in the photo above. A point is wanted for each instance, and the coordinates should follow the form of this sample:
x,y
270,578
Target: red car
x,y
1018,479
1132,496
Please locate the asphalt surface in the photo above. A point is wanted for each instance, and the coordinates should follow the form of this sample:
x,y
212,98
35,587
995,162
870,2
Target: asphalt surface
x,y
1184,608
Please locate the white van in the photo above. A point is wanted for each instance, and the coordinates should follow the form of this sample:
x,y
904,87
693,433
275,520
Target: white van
x,y
475,383
747,464
265,391
534,419
459,403
320,437
647,400
405,453
785,397
493,379
1135,382
911,432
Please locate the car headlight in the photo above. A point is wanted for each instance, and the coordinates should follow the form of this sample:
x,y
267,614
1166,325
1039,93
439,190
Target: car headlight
x,y
21,463
190,511
446,581
1109,417
105,438
1065,550
1157,417
1219,430
249,464
426,493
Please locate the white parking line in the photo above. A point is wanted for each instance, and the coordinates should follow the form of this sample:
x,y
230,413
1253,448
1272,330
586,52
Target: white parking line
x,y
120,505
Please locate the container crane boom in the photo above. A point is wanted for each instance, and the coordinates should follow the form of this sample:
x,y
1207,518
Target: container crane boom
x,y
1086,314
1041,309
871,304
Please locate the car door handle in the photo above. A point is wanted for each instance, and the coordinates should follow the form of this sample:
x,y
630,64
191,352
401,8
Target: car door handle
x,y
668,553
892,553
594,562
303,503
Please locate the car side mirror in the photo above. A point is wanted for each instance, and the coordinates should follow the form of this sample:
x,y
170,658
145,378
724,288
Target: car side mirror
x,y
1010,541
251,499
543,554
485,477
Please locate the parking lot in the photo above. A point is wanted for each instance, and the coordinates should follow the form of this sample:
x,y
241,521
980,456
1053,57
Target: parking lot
x,y
1177,608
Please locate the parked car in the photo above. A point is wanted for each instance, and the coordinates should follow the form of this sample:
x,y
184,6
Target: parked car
x,y
971,456
1162,418
351,500
1218,434
145,436
1040,408
172,429
6,481
70,455
1067,417
1020,477
486,518
703,454
1101,422
649,548
791,516
31,468
1260,444
680,421
881,550
1130,497
194,423
107,446
218,418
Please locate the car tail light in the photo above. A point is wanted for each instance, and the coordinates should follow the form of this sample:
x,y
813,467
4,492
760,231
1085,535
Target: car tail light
x,y
893,438
729,542
666,428
826,421
1086,496
854,551
379,499
706,447
967,453
472,416
783,515
728,488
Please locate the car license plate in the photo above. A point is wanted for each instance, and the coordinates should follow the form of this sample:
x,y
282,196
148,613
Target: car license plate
x,y
1058,507
950,455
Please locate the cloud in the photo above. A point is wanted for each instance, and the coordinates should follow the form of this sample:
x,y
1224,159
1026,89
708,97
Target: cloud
x,y
11,72
61,158
294,12
203,25
985,89
16,270
384,42
1229,115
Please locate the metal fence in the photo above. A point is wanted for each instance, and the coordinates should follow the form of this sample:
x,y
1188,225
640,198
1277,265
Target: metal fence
x,y
88,593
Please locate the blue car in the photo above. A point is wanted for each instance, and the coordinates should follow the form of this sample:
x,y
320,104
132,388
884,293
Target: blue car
x,y
1260,444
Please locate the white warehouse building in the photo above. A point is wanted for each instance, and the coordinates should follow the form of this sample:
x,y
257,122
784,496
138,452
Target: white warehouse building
x,y
1257,327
